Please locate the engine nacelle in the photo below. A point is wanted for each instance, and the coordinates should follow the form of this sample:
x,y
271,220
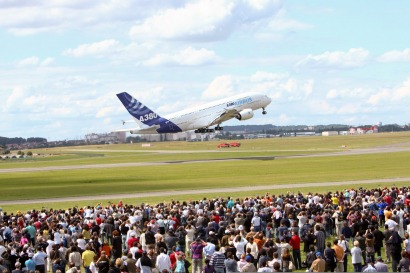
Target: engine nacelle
x,y
245,114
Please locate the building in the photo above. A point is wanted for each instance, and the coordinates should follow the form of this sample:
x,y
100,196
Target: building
x,y
330,133
113,137
363,130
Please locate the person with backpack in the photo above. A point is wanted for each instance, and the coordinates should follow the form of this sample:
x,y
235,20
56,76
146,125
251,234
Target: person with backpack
x,y
310,256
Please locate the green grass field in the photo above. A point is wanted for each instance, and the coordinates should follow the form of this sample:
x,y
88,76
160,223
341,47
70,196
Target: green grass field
x,y
204,175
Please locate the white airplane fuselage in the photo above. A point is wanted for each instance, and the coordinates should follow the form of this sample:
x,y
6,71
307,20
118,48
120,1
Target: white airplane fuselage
x,y
196,118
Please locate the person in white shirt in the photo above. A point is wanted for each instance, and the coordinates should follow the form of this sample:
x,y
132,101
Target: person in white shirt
x,y
49,247
391,224
40,259
93,266
356,257
163,261
189,237
239,244
253,247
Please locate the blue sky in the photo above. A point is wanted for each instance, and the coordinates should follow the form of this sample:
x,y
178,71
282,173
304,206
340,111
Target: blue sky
x,y
321,62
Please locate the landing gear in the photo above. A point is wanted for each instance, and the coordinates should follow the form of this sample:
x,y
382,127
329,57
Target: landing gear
x,y
219,128
263,111
204,130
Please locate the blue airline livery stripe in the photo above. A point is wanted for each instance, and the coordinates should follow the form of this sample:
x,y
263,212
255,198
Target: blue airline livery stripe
x,y
145,115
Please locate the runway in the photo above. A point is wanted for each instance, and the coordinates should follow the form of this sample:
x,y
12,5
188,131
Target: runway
x,y
390,149
249,189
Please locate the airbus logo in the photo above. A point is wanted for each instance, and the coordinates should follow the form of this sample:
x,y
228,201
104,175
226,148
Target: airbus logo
x,y
239,102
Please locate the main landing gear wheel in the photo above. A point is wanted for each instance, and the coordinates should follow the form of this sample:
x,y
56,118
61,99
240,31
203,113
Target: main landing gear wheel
x,y
219,128
204,130
264,112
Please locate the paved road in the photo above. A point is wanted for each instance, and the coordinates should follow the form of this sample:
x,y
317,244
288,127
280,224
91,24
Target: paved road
x,y
249,189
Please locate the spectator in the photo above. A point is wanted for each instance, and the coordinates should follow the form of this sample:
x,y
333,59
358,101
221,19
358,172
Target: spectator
x,y
380,266
356,253
196,250
404,264
318,265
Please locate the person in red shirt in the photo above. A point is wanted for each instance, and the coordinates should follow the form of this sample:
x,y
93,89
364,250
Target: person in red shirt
x,y
98,220
387,198
407,201
176,251
295,243
216,217
132,240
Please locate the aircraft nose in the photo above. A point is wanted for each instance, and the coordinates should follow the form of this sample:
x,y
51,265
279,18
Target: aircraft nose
x,y
268,100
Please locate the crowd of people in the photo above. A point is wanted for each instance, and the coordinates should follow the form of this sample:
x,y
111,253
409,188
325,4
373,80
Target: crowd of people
x,y
352,228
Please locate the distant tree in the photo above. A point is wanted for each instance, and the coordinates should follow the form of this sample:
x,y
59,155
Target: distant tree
x,y
20,153
29,153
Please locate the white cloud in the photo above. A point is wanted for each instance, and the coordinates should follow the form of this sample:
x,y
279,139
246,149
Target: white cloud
x,y
204,19
321,107
47,61
32,17
354,57
388,95
281,86
34,61
14,99
395,56
220,87
98,49
402,91
282,23
105,111
186,57
345,93
31,61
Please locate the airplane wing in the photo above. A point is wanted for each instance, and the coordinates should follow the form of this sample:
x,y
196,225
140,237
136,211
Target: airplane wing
x,y
226,115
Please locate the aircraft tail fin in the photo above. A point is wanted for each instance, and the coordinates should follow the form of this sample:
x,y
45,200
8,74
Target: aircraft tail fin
x,y
139,111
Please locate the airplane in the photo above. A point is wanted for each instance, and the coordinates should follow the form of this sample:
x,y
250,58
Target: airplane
x,y
200,118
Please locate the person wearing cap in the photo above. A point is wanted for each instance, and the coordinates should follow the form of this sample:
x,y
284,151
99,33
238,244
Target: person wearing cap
x,y
380,266
249,266
369,267
196,249
318,265
133,238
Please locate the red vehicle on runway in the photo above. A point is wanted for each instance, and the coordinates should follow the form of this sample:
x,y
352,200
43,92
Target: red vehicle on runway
x,y
235,144
224,145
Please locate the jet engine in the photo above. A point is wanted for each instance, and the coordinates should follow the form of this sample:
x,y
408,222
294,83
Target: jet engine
x,y
245,114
